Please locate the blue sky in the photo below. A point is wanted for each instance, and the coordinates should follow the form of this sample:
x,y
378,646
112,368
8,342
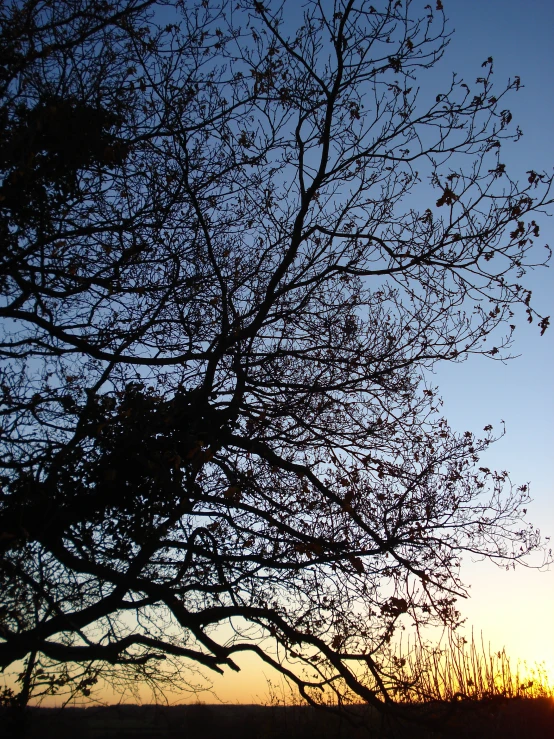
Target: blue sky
x,y
515,608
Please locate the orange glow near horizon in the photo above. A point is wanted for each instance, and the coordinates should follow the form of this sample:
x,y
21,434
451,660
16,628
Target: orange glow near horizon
x,y
257,683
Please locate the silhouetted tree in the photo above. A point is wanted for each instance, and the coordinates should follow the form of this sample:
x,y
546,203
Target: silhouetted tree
x,y
219,306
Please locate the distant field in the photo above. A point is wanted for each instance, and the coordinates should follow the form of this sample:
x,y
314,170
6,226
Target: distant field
x,y
503,718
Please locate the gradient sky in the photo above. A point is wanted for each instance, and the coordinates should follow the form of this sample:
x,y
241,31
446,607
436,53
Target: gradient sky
x,y
513,609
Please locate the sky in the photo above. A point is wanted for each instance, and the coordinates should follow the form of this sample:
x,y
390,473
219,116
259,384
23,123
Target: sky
x,y
512,609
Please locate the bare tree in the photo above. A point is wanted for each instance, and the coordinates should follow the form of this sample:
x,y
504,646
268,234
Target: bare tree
x,y
219,308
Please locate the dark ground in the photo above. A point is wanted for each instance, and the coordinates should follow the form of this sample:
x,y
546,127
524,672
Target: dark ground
x,y
505,719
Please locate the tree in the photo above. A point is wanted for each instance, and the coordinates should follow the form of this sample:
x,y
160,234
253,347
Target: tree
x,y
220,307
